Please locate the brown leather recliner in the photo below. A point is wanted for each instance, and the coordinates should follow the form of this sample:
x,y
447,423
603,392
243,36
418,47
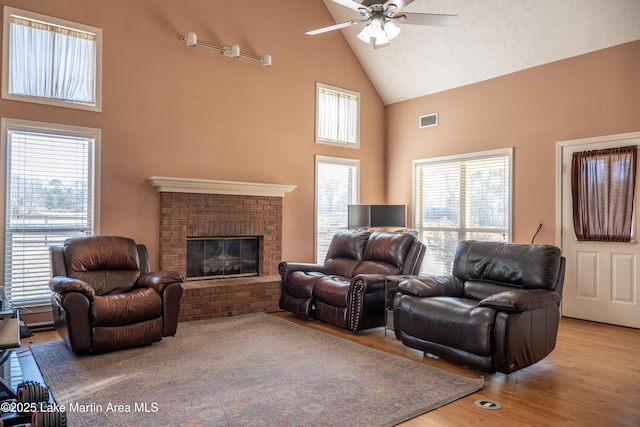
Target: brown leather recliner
x,y
348,289
105,298
497,311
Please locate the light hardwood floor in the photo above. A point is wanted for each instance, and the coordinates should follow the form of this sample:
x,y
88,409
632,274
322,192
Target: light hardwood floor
x,y
592,378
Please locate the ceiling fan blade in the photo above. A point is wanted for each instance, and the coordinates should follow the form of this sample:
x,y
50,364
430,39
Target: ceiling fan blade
x,y
335,27
433,19
351,4
400,4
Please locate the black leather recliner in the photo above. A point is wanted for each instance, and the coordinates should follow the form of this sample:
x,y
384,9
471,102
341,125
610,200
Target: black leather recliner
x,y
497,311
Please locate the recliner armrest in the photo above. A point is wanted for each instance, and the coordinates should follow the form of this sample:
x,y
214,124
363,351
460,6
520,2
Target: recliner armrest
x,y
159,280
286,267
369,282
519,300
432,286
360,286
63,285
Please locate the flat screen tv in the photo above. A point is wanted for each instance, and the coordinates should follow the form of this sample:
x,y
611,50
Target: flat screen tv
x,y
372,216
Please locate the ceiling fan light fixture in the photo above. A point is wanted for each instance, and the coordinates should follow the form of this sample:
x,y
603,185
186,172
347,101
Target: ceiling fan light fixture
x,y
379,33
374,28
391,30
364,35
381,19
381,40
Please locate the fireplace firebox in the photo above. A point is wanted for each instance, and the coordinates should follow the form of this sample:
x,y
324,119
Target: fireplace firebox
x,y
222,257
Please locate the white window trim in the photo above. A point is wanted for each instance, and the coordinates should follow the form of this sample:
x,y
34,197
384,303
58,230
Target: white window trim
x,y
5,125
8,11
319,140
456,157
338,161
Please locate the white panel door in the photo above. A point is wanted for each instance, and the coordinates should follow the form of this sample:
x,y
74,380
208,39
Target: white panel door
x,y
601,279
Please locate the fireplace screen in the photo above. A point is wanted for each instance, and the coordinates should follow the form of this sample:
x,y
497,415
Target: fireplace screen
x,y
222,257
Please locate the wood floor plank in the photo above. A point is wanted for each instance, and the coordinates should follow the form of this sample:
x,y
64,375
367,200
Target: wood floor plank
x,y
592,378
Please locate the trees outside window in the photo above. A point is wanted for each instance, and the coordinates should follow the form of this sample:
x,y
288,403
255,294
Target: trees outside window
x,y
49,194
459,198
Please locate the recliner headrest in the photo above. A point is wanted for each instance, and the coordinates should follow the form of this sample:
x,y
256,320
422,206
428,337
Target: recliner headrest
x,y
85,254
348,244
109,264
391,248
526,266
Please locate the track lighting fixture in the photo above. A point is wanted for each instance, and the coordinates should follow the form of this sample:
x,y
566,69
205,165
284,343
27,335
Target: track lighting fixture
x,y
233,51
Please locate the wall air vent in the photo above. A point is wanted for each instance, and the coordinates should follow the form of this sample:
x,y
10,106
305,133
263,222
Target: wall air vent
x,y
429,120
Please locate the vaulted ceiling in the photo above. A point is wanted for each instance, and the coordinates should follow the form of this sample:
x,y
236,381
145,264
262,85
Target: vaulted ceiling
x,y
490,38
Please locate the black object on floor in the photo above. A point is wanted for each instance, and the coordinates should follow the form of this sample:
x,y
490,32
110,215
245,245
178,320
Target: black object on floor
x,y
24,330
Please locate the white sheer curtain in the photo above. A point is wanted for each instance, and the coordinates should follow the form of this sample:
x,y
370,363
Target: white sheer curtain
x,y
51,61
337,116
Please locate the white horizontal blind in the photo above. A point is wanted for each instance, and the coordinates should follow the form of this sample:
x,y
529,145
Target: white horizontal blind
x,y
459,199
49,197
337,186
337,116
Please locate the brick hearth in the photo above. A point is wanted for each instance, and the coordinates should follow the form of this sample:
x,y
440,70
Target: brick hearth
x,y
204,299
200,214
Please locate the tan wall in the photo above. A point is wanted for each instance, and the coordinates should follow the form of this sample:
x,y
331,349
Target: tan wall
x,y
170,110
589,95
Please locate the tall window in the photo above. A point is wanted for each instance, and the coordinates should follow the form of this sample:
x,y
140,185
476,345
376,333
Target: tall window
x,y
458,198
48,189
337,186
50,61
337,116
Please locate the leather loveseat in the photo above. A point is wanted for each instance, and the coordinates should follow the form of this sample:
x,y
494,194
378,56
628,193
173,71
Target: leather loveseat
x,y
348,289
105,298
497,311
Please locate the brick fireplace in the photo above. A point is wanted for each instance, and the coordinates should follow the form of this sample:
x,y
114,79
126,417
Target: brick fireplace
x,y
219,209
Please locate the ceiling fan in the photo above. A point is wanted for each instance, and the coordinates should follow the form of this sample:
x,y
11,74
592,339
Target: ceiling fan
x,y
381,16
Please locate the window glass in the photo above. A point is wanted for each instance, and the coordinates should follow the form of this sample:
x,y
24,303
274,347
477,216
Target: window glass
x,y
461,198
337,116
50,61
603,190
337,186
49,193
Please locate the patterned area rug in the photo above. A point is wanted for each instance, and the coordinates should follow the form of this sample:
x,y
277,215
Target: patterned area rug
x,y
245,370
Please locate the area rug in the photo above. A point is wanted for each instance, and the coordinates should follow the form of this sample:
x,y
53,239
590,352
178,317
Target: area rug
x,y
250,370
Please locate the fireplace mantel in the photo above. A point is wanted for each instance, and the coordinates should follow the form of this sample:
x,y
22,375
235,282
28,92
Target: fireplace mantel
x,y
207,186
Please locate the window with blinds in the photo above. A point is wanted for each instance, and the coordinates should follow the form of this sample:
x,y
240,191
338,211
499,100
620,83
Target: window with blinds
x,y
337,186
460,198
337,116
49,193
50,60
